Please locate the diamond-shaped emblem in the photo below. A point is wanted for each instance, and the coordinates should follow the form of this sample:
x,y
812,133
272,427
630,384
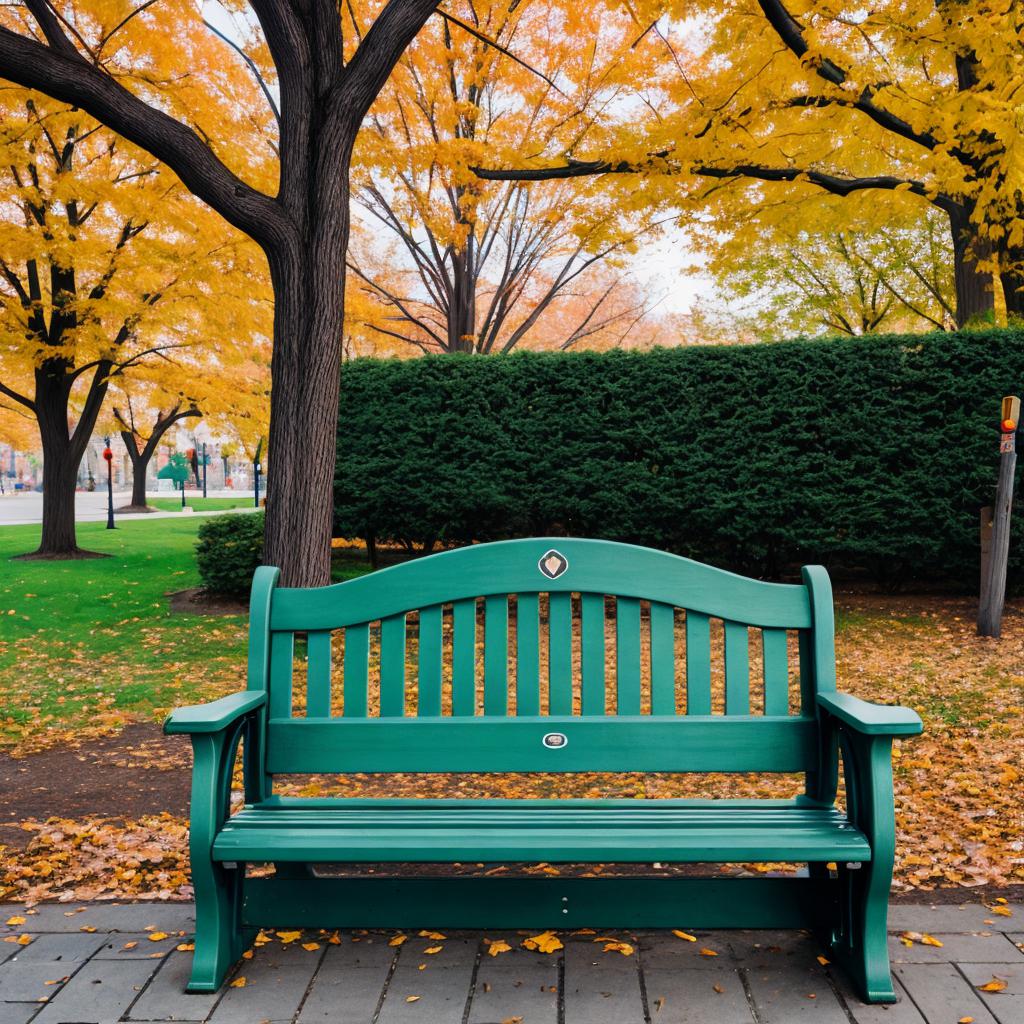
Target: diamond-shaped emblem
x,y
552,564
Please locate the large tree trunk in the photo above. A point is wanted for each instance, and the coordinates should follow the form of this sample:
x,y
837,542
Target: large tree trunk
x,y
62,455
974,298
1012,280
305,369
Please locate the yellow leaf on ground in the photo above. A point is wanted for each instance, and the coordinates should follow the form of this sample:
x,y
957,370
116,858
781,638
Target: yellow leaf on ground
x,y
684,935
930,940
708,952
334,940
619,947
311,946
156,936
422,967
546,942
185,947
434,949
1002,911
16,920
129,945
87,928
995,985
718,989
965,1020
501,946
823,960
432,935
411,999
247,955
287,937
24,940
238,983
397,940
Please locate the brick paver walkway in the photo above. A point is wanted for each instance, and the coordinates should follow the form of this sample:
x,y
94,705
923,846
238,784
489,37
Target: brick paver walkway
x,y
102,965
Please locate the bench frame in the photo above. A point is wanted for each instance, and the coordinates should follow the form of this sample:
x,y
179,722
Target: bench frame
x,y
846,905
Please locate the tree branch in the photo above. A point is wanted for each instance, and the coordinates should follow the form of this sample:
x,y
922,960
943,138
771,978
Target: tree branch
x,y
60,72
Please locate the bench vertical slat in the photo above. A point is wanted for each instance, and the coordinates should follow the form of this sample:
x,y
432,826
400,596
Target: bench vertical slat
x,y
592,656
737,669
282,666
392,666
318,674
464,657
776,671
428,700
663,659
355,667
627,656
698,663
560,654
528,654
496,654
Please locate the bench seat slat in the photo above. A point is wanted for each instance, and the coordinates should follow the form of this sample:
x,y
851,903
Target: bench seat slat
x,y
677,834
622,743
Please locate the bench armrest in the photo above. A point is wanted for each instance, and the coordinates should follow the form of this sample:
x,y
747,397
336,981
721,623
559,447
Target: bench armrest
x,y
215,716
870,719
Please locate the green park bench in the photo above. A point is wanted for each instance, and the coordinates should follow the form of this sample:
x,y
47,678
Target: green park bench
x,y
545,655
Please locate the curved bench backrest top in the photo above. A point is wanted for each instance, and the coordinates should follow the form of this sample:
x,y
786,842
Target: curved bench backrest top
x,y
598,654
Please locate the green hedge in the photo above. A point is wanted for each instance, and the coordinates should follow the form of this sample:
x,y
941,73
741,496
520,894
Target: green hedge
x,y
228,551
871,455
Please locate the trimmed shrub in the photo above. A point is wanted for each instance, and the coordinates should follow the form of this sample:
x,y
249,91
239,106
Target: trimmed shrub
x,y
871,455
228,551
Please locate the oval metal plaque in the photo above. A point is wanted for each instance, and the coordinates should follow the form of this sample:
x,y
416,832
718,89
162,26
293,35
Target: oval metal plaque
x,y
554,740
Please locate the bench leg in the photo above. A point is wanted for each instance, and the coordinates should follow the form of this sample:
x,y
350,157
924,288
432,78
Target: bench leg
x,y
861,945
219,934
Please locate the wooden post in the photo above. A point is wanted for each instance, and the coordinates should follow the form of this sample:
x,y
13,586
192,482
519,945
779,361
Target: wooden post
x,y
993,591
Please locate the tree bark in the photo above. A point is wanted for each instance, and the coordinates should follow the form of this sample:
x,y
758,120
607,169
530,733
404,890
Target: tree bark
x,y
974,297
1012,280
62,451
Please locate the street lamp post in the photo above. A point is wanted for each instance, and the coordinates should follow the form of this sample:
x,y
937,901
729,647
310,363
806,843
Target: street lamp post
x,y
108,455
204,469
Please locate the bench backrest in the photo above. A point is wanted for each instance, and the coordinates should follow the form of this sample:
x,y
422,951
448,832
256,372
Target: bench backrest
x,y
547,654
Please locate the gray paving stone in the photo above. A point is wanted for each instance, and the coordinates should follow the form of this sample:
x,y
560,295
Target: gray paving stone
x,y
978,949
165,997
599,987
519,983
1006,1006
770,949
364,950
27,982
53,948
276,978
790,990
901,1012
696,995
137,946
17,1013
104,917
98,993
442,986
963,917
349,983
941,993
665,949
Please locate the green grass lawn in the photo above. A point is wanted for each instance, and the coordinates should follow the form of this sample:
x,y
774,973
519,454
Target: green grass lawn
x,y
199,504
88,644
